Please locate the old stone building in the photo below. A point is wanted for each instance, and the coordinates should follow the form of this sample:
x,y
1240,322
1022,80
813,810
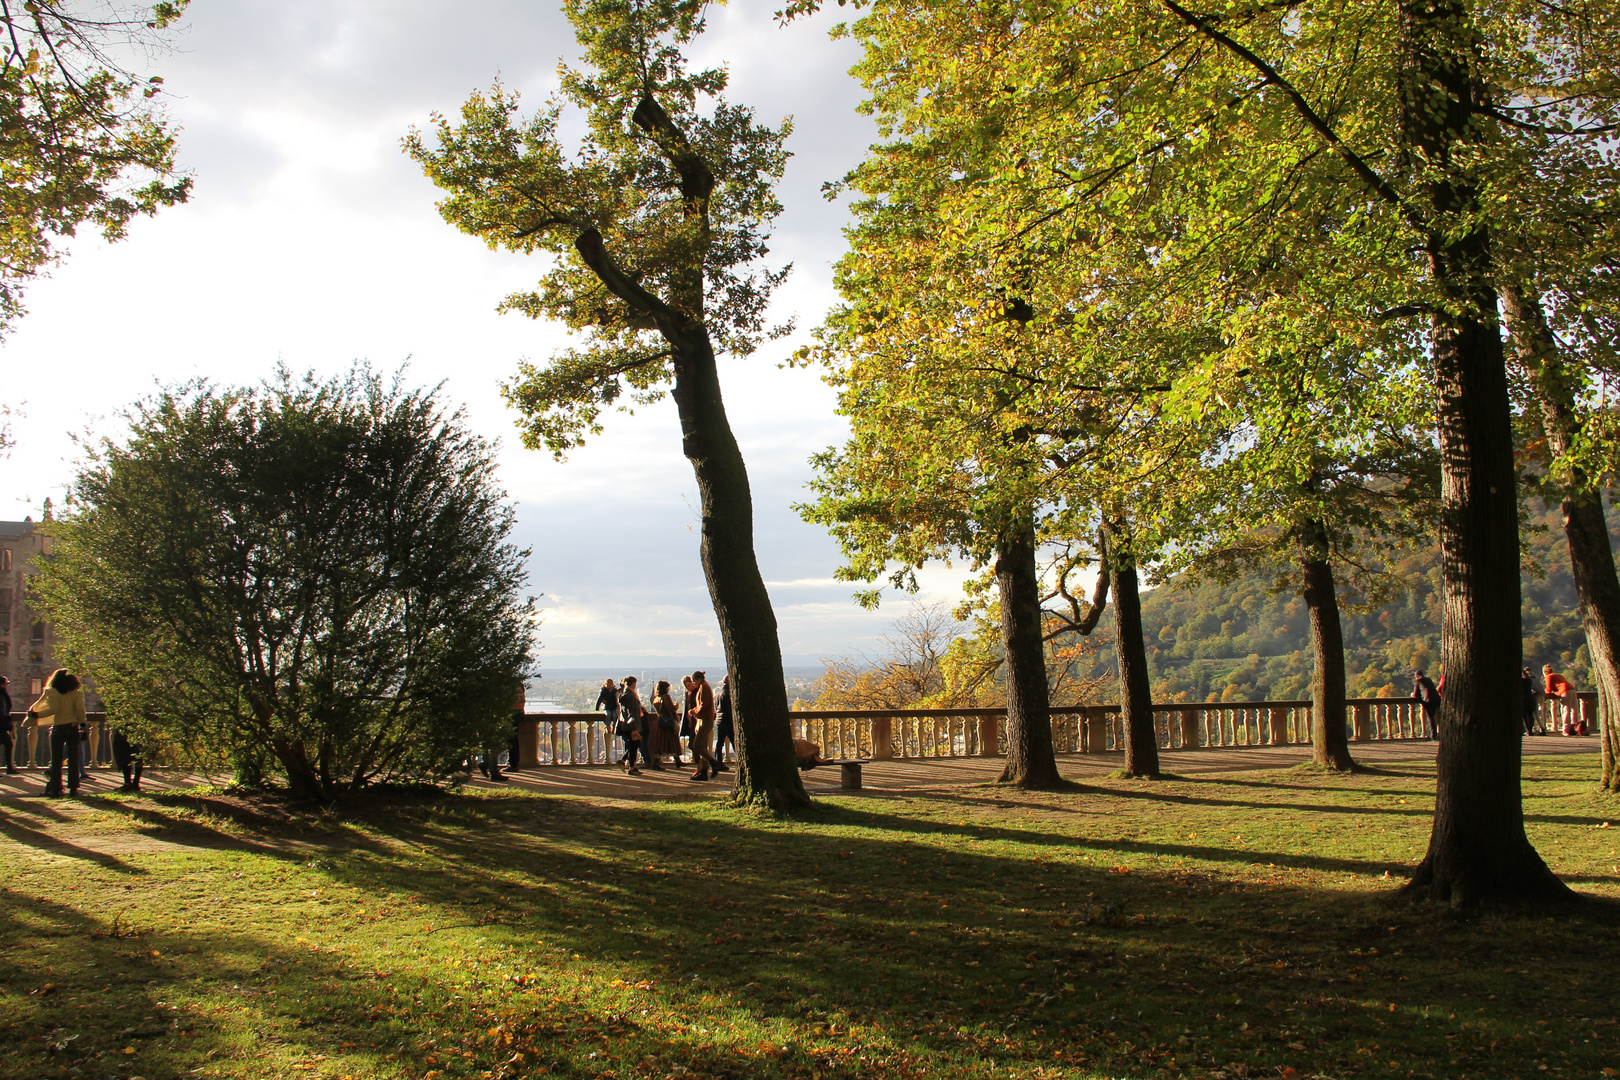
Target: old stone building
x,y
27,656
25,642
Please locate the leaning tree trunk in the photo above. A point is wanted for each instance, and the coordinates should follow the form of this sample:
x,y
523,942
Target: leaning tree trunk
x,y
1135,689
1477,847
1031,763
1330,745
1586,527
767,771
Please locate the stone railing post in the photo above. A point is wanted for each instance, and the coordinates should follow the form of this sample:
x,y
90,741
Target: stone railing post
x,y
989,737
1096,730
1362,723
1277,721
552,726
1189,729
528,743
882,738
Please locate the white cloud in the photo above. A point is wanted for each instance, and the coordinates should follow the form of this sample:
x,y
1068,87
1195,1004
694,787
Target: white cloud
x,y
312,241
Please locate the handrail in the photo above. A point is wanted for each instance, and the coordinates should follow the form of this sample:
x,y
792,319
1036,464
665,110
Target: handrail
x,y
551,740
1071,710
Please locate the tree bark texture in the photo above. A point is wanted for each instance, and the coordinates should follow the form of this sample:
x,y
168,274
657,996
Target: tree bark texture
x,y
1477,847
1135,689
1031,763
1586,527
1330,744
767,770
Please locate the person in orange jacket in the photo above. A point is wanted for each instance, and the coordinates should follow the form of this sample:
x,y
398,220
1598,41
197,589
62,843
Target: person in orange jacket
x,y
1564,691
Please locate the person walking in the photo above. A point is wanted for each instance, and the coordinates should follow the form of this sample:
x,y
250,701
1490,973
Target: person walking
x,y
633,712
7,740
703,715
666,737
1532,703
726,730
1564,691
1428,696
63,703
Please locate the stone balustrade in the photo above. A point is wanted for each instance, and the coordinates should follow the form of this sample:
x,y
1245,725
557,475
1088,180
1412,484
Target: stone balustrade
x,y
557,739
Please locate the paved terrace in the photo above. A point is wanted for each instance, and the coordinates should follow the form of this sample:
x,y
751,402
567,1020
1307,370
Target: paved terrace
x,y
881,777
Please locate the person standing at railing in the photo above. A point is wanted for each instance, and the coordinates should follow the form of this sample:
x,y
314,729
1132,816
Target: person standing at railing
x,y
1428,696
514,746
725,731
63,703
1563,691
1532,704
127,756
703,714
666,736
7,740
607,701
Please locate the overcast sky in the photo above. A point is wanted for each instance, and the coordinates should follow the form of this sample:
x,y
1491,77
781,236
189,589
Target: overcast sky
x,y
312,241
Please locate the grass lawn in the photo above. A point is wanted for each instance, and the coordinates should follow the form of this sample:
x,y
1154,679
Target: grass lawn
x,y
1237,925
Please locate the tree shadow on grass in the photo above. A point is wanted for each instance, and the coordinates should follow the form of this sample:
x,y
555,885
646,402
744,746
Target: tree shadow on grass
x,y
38,836
866,944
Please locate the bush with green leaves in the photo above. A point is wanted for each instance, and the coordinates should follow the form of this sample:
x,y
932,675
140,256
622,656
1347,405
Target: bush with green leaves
x,y
315,571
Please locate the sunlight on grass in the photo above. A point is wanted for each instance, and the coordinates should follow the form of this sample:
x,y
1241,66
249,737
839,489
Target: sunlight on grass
x,y
1240,925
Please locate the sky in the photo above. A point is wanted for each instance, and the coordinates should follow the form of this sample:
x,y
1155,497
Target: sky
x,y
312,241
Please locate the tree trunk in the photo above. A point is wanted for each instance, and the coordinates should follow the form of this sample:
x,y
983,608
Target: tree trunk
x,y
1591,555
1330,744
1478,846
1135,690
303,782
767,771
1031,763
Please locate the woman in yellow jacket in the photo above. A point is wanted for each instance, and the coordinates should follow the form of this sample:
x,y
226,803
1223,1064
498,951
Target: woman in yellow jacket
x,y
62,704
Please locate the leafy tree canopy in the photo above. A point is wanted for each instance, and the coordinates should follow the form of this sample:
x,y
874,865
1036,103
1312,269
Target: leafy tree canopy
x,y
658,216
82,140
317,570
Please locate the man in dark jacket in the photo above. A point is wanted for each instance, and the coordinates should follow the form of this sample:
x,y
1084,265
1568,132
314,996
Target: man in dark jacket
x,y
1428,696
726,730
1532,703
6,746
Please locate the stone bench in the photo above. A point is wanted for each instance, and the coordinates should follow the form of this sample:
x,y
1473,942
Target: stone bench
x,y
849,771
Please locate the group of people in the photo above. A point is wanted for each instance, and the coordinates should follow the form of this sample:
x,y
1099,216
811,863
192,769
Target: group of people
x,y
61,709
1552,685
702,723
1557,687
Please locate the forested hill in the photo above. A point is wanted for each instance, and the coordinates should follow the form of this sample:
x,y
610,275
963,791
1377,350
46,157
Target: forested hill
x,y
1241,641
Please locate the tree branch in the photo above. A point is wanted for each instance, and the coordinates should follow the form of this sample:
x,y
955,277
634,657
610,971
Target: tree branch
x,y
1358,165
591,248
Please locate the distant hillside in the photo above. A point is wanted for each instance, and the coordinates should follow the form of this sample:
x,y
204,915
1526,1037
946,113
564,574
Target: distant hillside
x,y
1241,642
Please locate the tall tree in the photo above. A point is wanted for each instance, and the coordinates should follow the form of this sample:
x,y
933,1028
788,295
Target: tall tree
x,y
1362,139
1563,412
1135,685
658,222
1327,470
82,140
